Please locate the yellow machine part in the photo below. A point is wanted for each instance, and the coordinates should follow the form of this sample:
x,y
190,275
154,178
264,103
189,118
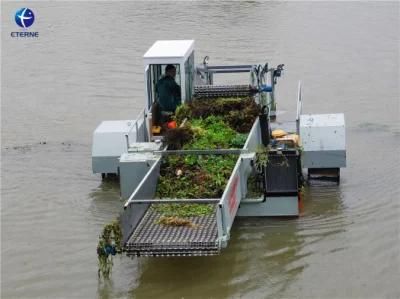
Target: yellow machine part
x,y
278,133
156,129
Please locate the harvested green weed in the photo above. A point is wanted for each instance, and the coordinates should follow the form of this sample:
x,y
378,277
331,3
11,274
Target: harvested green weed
x,y
211,133
176,138
183,210
192,176
211,124
238,113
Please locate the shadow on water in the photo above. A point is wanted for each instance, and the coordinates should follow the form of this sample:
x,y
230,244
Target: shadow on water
x,y
323,215
108,189
277,251
106,203
196,277
322,198
270,251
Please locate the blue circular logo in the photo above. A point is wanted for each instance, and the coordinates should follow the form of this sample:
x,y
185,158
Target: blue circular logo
x,y
24,17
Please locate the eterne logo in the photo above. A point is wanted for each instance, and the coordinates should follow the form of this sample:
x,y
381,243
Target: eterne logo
x,y
24,18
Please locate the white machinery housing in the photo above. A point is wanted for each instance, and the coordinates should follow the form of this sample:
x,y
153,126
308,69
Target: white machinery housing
x,y
324,140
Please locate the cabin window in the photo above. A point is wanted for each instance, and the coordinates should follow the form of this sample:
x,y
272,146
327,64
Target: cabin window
x,y
155,73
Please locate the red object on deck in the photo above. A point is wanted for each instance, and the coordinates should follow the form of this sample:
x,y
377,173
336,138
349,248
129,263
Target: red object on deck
x,y
171,124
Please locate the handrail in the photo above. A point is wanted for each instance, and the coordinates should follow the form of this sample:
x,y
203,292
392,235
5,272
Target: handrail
x,y
136,126
176,200
299,107
152,168
202,152
299,101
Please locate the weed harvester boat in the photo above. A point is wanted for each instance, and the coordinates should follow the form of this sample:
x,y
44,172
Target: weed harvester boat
x,y
265,178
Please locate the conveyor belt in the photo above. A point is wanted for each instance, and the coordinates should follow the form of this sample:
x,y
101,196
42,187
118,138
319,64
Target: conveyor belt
x,y
152,239
215,91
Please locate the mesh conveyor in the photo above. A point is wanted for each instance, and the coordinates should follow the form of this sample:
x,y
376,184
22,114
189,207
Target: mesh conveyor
x,y
152,239
215,91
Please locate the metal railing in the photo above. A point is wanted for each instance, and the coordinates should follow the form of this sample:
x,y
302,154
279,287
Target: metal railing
x,y
299,107
141,116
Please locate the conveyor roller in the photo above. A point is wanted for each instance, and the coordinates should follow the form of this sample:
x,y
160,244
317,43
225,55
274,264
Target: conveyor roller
x,y
215,91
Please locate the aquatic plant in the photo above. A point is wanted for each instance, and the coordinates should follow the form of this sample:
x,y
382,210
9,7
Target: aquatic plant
x,y
108,246
192,176
261,158
210,124
254,186
211,133
242,120
176,138
208,133
238,113
175,221
239,140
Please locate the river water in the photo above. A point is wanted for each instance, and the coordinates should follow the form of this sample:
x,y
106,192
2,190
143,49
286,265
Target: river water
x,y
86,66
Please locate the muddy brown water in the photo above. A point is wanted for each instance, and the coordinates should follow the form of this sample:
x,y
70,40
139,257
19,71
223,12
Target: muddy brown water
x,y
86,67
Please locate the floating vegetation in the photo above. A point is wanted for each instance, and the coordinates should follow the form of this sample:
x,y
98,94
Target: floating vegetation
x,y
108,246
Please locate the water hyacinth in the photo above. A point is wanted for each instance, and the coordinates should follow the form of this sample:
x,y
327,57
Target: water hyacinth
x,y
109,245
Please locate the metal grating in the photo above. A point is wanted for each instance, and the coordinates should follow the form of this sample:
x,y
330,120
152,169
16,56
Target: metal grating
x,y
152,239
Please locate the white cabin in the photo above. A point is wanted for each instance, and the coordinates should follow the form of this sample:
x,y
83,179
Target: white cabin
x,y
179,53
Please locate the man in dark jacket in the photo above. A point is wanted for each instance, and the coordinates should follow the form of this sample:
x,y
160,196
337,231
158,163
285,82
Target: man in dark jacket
x,y
169,92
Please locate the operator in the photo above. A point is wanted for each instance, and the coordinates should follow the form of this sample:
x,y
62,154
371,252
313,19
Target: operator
x,y
169,93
